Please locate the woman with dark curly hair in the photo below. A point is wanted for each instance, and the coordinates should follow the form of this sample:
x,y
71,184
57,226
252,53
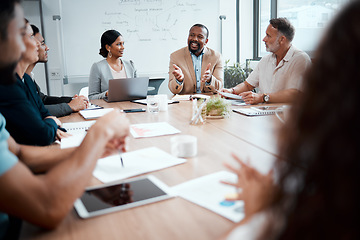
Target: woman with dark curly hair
x,y
316,194
112,67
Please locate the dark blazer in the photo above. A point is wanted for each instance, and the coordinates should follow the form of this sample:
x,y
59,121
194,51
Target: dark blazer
x,y
24,112
57,106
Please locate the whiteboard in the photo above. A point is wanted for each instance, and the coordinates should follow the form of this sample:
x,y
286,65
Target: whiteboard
x,y
152,30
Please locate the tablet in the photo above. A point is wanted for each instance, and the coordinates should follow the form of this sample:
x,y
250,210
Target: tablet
x,y
118,196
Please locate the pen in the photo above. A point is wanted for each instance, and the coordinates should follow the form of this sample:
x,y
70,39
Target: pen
x,y
122,163
133,110
62,129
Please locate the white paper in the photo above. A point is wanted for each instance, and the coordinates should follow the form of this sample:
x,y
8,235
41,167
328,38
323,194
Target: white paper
x,y
72,141
208,192
137,162
144,101
185,97
77,127
178,97
93,106
152,129
96,113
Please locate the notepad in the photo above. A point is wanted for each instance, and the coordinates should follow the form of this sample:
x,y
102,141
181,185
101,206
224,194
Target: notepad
x,y
72,141
152,129
93,106
135,163
178,97
96,113
143,101
258,111
230,95
77,127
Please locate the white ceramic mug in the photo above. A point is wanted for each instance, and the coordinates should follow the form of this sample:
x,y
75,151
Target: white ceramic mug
x,y
184,146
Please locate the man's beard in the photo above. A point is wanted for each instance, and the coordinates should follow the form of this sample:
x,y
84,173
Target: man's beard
x,y
192,50
7,74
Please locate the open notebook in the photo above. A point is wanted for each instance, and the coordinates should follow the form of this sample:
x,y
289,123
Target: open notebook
x,y
95,113
258,111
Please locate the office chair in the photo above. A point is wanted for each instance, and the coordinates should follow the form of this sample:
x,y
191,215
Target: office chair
x,y
154,85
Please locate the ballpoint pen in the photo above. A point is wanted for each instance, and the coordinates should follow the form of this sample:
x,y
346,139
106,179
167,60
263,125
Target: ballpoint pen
x,y
62,129
122,163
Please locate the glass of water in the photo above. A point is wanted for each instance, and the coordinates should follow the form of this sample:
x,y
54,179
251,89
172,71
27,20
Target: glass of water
x,y
152,102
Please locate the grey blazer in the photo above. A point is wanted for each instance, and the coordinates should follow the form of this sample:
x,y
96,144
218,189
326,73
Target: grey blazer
x,y
100,75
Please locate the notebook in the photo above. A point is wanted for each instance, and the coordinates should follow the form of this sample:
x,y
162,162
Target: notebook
x,y
96,113
258,111
126,89
187,97
77,127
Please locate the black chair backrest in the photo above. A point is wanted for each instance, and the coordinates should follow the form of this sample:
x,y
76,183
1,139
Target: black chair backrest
x,y
154,85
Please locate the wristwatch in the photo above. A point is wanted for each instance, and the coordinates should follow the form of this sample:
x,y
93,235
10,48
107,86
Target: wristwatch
x,y
266,98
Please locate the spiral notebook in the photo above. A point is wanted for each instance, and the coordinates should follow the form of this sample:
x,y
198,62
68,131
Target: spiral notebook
x,y
77,127
258,111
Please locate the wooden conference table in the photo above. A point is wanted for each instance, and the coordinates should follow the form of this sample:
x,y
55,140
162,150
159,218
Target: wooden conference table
x,y
252,138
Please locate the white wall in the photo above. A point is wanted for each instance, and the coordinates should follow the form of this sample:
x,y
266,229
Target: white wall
x,y
227,7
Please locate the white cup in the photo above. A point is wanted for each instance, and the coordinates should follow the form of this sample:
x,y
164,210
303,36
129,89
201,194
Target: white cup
x,y
163,102
184,146
152,103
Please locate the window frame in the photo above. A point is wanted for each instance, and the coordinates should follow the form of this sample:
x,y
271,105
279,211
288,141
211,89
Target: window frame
x,y
256,20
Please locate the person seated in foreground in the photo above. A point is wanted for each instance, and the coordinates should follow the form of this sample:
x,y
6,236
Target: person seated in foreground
x,y
45,199
196,68
278,76
28,121
57,106
316,191
112,67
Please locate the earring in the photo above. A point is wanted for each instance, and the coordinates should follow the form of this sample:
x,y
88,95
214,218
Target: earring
x,y
109,54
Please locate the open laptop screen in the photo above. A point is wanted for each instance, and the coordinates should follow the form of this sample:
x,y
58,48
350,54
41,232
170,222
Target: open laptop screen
x,y
126,89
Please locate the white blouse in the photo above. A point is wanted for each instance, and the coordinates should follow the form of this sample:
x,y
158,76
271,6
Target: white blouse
x,y
116,74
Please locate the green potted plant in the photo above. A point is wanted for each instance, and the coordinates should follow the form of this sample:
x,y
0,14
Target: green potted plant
x,y
217,106
236,74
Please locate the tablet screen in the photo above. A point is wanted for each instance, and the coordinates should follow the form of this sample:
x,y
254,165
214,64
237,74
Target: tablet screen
x,y
120,194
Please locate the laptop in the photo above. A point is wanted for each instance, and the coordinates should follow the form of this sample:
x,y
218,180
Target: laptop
x,y
126,89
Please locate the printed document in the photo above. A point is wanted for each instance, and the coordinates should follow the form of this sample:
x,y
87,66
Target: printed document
x,y
210,193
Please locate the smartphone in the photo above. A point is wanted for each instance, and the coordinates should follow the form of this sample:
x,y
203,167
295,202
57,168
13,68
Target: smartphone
x,y
134,110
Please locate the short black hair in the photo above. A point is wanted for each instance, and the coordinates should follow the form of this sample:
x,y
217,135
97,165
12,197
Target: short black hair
x,y
284,26
35,29
203,27
7,13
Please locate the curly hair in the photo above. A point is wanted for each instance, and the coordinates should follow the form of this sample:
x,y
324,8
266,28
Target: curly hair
x,y
318,145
